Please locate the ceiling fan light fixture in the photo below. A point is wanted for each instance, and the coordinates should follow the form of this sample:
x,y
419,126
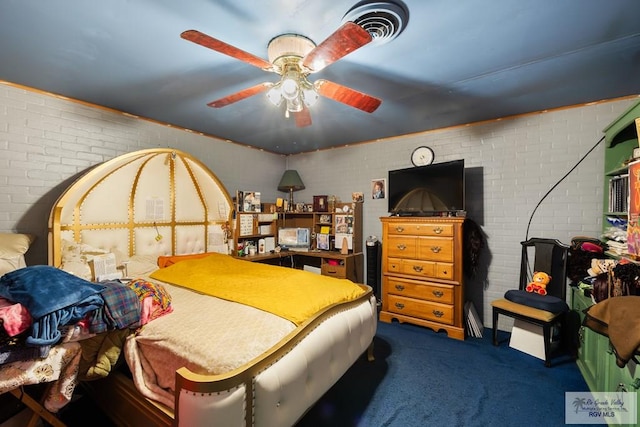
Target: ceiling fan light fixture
x,y
290,87
274,95
309,94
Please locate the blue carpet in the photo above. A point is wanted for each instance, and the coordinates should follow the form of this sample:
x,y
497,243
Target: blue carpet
x,y
422,378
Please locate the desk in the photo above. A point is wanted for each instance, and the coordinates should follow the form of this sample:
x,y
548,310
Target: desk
x,y
331,263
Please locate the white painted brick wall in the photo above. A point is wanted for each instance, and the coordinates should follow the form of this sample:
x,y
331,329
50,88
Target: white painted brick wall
x,y
46,142
521,158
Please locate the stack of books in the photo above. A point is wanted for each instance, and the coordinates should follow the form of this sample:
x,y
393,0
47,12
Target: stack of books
x,y
474,323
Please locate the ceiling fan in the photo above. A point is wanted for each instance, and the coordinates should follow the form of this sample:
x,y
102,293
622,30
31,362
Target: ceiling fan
x,y
294,57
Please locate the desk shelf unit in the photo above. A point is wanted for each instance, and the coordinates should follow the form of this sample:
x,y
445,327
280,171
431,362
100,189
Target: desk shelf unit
x,y
349,218
249,228
253,226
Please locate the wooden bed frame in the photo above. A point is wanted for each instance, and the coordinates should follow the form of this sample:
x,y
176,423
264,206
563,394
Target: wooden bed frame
x,y
165,202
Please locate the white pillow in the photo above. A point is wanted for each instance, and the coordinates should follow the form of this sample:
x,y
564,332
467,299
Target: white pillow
x,y
13,246
141,265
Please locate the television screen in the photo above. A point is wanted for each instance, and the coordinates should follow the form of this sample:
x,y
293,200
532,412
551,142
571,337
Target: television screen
x,y
294,239
434,189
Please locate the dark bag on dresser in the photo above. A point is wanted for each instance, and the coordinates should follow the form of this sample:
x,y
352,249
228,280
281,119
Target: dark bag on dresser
x,y
619,280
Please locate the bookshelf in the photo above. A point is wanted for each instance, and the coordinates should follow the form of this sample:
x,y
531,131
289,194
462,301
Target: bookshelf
x,y
621,140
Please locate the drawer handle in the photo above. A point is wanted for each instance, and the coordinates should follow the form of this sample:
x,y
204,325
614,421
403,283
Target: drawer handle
x,y
401,247
399,229
393,266
436,249
417,268
399,305
438,230
438,294
400,287
438,313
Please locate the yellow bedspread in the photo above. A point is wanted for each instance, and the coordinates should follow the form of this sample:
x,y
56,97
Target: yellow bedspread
x,y
292,294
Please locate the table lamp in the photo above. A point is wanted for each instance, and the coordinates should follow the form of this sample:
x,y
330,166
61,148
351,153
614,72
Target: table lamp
x,y
290,182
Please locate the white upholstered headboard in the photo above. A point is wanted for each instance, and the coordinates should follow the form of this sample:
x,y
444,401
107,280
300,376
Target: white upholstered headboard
x,y
149,202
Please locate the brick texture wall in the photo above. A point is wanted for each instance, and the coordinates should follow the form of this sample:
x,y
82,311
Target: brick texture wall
x,y
46,142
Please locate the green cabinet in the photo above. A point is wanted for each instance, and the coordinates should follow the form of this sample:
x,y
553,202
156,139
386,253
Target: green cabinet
x,y
591,346
596,360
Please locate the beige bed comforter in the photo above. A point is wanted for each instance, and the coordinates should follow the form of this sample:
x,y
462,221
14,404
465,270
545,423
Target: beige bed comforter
x,y
207,335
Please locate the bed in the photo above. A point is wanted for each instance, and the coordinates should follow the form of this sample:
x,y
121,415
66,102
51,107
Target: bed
x,y
163,205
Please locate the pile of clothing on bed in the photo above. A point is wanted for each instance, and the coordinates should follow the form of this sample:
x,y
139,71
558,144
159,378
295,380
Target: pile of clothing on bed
x,y
42,306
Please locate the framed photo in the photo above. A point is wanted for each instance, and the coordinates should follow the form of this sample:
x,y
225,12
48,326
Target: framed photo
x,y
357,197
342,226
321,203
323,241
378,188
325,219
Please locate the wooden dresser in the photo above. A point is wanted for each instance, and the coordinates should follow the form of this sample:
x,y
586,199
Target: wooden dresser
x,y
422,276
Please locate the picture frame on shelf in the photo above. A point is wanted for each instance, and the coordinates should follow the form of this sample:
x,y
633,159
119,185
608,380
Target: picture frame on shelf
x,y
321,203
342,225
325,219
250,201
323,241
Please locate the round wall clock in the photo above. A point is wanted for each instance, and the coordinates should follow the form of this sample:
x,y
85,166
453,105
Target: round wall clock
x,y
422,156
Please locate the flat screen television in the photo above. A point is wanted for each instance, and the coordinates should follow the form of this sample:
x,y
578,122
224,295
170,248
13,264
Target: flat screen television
x,y
435,189
294,239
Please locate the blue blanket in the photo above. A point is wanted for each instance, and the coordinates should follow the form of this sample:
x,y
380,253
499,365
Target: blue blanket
x,y
53,297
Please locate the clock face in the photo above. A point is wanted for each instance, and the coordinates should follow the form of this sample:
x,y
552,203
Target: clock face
x,y
422,156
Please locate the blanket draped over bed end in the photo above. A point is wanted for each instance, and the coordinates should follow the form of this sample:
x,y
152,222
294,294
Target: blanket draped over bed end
x,y
290,293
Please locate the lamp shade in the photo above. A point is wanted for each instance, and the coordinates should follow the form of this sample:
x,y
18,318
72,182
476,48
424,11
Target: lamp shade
x,y
290,181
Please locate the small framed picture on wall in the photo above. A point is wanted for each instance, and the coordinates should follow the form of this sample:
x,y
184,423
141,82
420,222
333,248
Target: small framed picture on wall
x,y
378,188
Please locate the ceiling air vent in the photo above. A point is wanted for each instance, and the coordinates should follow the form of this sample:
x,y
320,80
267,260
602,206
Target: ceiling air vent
x,y
384,20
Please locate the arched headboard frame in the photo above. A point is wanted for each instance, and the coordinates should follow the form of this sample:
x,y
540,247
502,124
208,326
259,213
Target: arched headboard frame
x,y
148,202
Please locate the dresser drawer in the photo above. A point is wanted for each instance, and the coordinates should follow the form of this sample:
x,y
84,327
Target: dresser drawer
x,y
339,271
394,265
438,270
413,229
424,291
435,249
441,313
402,246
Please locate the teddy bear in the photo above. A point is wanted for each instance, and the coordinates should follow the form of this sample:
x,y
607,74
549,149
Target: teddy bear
x,y
538,283
599,266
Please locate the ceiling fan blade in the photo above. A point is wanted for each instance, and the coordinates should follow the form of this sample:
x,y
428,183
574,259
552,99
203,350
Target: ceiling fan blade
x,y
222,47
348,96
303,117
239,96
343,41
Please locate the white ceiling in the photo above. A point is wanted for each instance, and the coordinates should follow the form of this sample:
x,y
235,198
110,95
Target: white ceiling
x,y
456,62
